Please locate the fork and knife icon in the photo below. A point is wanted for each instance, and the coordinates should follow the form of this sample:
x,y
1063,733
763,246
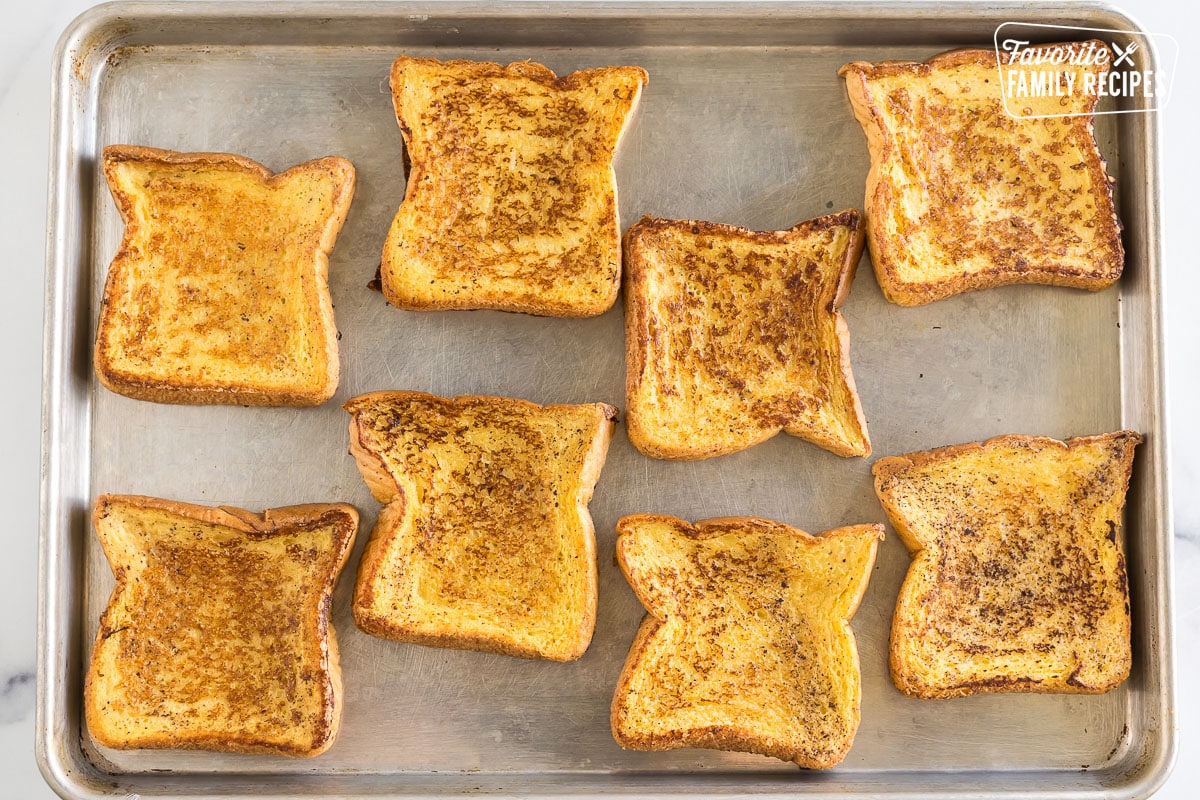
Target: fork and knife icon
x,y
1123,55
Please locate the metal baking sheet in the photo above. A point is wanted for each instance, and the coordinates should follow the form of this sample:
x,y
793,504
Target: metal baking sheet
x,y
744,121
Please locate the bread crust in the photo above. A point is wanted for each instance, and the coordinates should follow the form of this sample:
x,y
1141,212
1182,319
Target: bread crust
x,y
655,408
657,586
503,221
1049,259
392,478
309,732
312,387
1034,660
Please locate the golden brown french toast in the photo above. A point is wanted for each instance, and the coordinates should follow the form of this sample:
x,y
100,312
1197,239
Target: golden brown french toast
x,y
963,195
747,644
217,635
1018,580
219,292
511,198
485,541
732,335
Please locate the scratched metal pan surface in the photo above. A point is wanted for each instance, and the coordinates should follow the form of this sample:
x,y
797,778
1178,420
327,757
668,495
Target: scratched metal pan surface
x,y
744,121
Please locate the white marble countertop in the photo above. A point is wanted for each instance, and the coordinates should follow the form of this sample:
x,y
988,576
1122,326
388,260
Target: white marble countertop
x,y
25,58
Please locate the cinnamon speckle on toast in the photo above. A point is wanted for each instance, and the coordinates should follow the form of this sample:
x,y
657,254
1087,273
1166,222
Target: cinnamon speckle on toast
x,y
511,198
962,195
1018,581
219,292
485,541
746,644
732,335
217,634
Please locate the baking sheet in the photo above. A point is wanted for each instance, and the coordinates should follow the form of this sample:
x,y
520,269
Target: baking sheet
x,y
744,121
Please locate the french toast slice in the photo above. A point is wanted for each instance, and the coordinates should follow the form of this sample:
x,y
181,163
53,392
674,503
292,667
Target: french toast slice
x,y
1018,580
219,292
962,195
485,541
511,197
732,335
746,644
217,634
